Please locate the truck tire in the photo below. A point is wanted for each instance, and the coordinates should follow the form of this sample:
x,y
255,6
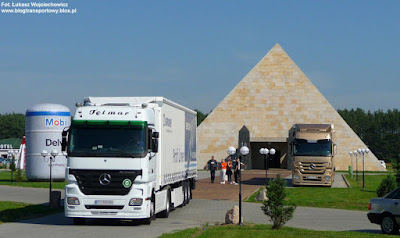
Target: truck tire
x,y
147,221
389,225
165,213
79,221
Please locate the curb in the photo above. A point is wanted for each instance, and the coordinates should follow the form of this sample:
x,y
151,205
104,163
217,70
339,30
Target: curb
x,y
345,180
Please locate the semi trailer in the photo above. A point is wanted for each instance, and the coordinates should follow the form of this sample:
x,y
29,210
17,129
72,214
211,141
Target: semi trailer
x,y
129,158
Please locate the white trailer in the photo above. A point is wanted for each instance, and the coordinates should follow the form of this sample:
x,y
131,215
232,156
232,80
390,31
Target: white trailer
x,y
129,158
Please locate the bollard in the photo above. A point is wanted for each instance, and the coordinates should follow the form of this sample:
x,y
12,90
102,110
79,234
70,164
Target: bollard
x,y
55,199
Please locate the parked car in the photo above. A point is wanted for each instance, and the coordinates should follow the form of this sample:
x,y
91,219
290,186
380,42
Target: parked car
x,y
386,212
6,161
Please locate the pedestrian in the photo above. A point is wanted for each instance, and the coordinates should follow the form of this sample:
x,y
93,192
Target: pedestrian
x,y
223,171
229,170
237,167
212,165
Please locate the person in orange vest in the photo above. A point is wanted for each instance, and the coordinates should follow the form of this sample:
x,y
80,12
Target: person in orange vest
x,y
223,171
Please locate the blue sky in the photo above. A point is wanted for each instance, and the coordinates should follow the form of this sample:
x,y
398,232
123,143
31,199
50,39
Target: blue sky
x,y
195,52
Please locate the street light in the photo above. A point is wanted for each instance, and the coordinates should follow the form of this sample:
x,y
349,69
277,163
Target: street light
x,y
53,155
351,166
12,154
355,153
243,151
265,152
363,152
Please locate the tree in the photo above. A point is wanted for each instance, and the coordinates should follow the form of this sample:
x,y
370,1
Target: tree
x,y
276,207
201,116
387,185
12,126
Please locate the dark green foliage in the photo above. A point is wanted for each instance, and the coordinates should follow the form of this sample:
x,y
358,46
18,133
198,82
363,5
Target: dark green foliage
x,y
276,207
12,125
396,168
19,176
200,116
379,130
387,185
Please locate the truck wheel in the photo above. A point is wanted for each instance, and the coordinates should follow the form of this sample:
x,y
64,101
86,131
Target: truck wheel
x,y
389,225
165,213
147,221
79,221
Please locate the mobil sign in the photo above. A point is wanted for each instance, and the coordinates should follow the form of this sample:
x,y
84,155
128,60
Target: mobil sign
x,y
56,122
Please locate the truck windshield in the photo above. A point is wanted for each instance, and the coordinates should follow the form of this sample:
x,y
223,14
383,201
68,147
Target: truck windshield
x,y
303,147
110,141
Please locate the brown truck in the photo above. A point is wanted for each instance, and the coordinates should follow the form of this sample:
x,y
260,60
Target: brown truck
x,y
311,154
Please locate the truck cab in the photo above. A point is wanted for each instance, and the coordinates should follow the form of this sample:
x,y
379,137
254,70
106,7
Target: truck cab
x,y
312,152
114,167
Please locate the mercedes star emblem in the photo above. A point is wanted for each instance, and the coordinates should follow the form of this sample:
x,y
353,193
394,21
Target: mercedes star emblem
x,y
105,179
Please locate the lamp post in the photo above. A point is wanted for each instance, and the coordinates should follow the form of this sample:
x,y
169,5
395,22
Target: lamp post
x,y
265,152
355,153
351,166
243,151
363,152
53,155
12,154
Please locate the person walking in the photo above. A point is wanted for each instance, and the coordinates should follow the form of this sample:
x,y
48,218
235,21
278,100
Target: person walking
x,y
236,168
223,171
229,170
212,165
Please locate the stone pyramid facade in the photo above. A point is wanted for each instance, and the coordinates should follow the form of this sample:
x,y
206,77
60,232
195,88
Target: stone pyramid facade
x,y
272,97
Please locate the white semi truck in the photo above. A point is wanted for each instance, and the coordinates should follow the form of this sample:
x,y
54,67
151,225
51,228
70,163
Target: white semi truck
x,y
129,158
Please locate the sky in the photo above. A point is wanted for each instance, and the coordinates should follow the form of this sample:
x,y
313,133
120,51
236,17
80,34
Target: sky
x,y
195,52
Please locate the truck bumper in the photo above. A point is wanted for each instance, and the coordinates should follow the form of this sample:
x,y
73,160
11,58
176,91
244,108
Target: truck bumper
x,y
299,179
106,206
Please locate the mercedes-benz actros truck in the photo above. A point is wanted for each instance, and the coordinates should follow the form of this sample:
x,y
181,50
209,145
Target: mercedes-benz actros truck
x,y
129,158
311,155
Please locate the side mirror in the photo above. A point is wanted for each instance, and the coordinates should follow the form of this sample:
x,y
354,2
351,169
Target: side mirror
x,y
156,135
334,149
64,139
154,145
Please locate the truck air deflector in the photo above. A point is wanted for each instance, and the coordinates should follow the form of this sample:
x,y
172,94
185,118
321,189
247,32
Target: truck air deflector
x,y
104,182
105,122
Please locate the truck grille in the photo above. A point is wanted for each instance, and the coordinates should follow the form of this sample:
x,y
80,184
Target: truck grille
x,y
103,207
89,181
305,168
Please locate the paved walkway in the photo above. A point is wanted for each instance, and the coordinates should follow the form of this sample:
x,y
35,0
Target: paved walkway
x,y
251,181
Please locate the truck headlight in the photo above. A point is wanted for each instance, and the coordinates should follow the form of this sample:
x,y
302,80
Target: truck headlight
x,y
136,202
296,177
327,177
73,201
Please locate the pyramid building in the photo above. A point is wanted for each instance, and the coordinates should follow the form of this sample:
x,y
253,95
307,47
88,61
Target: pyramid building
x,y
272,97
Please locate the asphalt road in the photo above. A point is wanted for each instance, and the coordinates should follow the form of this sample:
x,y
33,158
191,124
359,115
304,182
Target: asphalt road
x,y
197,213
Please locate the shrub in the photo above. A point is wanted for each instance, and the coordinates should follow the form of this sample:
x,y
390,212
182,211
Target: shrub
x,y
19,176
387,185
276,207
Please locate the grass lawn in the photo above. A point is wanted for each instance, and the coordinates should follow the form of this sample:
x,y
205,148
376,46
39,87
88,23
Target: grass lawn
x,y
354,198
16,211
232,231
5,179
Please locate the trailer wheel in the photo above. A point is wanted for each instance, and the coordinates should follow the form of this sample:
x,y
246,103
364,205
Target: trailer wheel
x,y
183,195
188,194
165,213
